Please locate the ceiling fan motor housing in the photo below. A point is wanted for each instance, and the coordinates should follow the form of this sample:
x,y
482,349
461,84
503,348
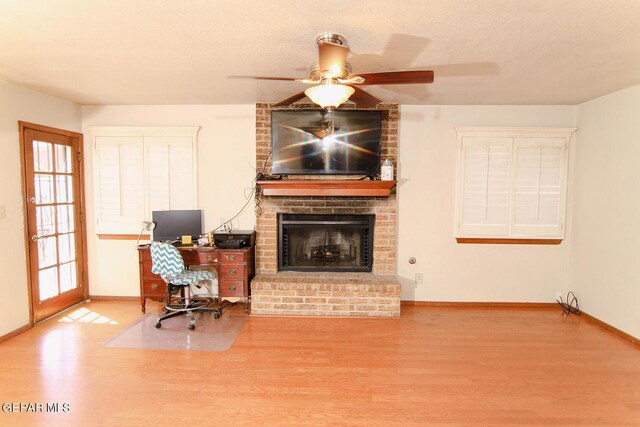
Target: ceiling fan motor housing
x,y
315,74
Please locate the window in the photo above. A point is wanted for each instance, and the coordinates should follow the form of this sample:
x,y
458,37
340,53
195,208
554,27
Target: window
x,y
512,182
139,170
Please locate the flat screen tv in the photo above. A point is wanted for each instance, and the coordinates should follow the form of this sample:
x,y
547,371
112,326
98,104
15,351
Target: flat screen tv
x,y
172,225
320,142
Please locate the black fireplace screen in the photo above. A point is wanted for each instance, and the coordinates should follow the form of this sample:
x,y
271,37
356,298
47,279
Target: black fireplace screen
x,y
325,242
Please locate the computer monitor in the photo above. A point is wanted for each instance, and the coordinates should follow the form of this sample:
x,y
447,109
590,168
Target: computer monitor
x,y
172,225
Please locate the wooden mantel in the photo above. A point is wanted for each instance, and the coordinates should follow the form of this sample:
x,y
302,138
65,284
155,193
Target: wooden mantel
x,y
335,188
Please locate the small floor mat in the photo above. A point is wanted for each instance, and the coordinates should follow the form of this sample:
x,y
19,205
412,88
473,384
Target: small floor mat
x,y
210,334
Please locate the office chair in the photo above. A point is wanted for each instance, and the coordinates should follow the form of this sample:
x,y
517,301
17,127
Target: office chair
x,y
168,263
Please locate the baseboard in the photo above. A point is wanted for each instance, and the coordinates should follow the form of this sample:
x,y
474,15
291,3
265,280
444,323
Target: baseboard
x,y
611,329
17,332
113,298
474,304
526,305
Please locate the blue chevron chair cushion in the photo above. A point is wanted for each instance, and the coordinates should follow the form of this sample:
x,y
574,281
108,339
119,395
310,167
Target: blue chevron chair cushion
x,y
167,262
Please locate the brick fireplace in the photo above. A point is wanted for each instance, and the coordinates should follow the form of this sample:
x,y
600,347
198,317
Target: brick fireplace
x,y
339,293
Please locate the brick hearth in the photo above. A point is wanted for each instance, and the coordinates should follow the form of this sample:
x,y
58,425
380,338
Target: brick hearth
x,y
326,294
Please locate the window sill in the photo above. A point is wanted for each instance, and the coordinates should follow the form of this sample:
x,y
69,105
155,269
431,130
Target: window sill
x,y
503,241
123,237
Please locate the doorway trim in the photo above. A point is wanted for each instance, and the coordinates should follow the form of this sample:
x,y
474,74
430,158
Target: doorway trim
x,y
23,126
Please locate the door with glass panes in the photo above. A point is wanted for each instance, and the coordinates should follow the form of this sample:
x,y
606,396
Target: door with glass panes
x,y
53,182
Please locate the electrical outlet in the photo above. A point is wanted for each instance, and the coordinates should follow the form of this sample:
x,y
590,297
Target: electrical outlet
x,y
419,278
3,212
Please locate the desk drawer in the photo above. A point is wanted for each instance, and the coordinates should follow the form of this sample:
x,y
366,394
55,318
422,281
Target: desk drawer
x,y
227,257
230,288
145,255
208,257
155,287
146,271
232,271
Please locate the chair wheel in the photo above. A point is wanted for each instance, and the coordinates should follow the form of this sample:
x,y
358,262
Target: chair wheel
x,y
158,325
216,315
191,327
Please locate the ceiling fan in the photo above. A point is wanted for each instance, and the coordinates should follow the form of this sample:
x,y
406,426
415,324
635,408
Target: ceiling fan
x,y
334,81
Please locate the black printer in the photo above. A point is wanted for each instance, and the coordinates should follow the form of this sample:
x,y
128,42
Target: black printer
x,y
234,239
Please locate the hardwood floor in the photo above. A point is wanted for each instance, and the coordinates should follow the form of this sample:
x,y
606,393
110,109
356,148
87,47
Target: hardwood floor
x,y
433,366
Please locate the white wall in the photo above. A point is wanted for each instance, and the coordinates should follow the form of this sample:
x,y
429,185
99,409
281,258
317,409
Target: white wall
x,y
604,270
226,167
596,260
426,196
18,103
465,272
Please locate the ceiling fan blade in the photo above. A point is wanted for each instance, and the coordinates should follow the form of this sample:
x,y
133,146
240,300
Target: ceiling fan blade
x,y
332,59
288,79
290,100
363,98
396,77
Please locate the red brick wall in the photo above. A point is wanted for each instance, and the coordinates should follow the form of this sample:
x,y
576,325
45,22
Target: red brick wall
x,y
385,208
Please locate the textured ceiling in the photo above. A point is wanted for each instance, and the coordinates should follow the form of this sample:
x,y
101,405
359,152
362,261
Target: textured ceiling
x,y
181,52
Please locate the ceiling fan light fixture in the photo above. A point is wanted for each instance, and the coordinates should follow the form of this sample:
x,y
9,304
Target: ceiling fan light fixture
x,y
329,95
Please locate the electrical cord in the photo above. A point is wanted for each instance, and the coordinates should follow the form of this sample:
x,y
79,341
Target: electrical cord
x,y
258,200
571,305
264,164
255,194
262,175
249,199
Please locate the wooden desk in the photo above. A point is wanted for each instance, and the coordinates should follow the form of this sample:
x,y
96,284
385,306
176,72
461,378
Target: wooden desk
x,y
234,269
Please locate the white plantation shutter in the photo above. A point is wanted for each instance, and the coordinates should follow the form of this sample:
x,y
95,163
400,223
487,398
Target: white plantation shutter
x,y
119,182
512,182
170,172
158,176
539,193
485,192
142,169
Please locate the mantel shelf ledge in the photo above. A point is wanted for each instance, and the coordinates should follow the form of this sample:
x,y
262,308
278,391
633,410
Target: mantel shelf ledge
x,y
328,188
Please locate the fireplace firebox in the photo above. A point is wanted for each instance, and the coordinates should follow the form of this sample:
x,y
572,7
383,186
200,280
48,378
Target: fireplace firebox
x,y
325,242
